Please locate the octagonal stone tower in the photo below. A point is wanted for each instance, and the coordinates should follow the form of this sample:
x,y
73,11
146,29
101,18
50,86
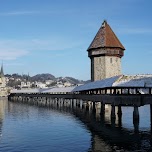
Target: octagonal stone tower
x,y
105,53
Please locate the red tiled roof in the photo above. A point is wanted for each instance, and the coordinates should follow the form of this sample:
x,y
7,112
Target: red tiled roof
x,y
105,37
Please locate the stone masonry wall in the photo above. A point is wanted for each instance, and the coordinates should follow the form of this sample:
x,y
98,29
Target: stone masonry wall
x,y
113,66
105,67
99,68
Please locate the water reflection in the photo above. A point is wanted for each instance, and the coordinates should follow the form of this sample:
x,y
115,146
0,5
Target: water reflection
x,y
2,113
107,134
111,134
37,128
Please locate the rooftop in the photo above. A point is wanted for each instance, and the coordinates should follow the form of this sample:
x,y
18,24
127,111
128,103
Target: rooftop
x,y
118,81
105,37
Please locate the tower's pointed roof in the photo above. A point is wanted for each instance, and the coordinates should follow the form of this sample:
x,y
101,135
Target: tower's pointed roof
x,y
105,37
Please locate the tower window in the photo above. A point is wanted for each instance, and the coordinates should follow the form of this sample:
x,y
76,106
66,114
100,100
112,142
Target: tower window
x,y
110,60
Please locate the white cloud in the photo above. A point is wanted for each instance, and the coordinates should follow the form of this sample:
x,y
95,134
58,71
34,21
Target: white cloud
x,y
42,12
16,13
52,44
13,49
11,54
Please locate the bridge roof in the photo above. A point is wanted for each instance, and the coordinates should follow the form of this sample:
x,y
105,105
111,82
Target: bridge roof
x,y
44,90
105,37
25,91
60,89
134,81
108,82
118,81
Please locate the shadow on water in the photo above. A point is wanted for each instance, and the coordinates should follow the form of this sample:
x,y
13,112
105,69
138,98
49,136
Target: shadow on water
x,y
107,134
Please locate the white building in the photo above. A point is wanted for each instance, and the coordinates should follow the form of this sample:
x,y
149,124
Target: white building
x,y
40,85
48,82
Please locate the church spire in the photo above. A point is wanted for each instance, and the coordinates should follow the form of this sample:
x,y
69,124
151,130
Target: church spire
x,y
28,77
2,71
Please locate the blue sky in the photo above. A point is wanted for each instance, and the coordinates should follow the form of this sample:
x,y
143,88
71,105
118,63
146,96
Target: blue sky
x,y
52,36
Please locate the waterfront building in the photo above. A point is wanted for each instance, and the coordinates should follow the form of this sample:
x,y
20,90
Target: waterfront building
x,y
48,82
105,53
26,83
40,85
67,84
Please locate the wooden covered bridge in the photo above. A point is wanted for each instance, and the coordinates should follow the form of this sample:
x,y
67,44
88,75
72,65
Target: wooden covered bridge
x,y
95,95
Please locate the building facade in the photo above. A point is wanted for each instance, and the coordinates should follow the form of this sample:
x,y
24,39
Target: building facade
x,y
26,83
105,53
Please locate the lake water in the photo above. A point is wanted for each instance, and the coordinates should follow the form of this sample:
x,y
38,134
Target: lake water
x,y
32,128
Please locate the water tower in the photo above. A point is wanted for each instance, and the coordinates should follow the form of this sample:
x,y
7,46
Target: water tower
x,y
105,53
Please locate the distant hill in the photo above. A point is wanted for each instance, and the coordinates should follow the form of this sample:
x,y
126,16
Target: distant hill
x,y
70,79
46,76
43,77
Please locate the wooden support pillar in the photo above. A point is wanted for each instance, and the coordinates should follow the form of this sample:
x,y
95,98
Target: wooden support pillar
x,y
149,90
63,102
94,107
72,103
136,114
136,119
83,104
105,91
57,104
110,90
115,91
136,90
102,112
119,110
119,116
60,102
121,91
100,91
128,91
113,115
87,106
78,103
